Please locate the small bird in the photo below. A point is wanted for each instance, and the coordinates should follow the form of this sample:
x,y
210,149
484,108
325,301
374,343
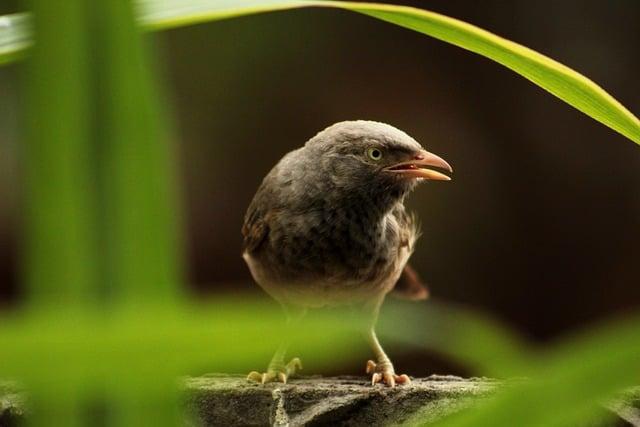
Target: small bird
x,y
328,227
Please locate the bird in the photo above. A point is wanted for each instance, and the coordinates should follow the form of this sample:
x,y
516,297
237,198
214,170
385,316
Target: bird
x,y
328,227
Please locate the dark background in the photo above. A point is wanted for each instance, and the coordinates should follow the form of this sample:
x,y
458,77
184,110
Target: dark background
x,y
539,226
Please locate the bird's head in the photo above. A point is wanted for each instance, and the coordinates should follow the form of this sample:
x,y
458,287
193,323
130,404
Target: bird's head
x,y
374,157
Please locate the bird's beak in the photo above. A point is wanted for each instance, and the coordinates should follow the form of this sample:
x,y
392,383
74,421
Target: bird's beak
x,y
418,167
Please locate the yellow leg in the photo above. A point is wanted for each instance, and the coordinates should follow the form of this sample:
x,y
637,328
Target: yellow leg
x,y
278,371
381,370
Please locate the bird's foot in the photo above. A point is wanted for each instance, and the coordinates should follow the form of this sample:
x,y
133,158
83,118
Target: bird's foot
x,y
276,373
384,373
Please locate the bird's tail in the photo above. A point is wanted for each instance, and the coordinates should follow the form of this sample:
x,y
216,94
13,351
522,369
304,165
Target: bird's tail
x,y
409,286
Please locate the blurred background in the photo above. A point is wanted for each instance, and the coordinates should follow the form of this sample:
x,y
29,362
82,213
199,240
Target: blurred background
x,y
539,225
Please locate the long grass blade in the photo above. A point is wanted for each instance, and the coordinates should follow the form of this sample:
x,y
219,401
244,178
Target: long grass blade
x,y
136,166
60,247
556,78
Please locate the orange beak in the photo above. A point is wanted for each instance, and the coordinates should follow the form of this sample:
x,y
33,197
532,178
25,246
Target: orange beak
x,y
418,167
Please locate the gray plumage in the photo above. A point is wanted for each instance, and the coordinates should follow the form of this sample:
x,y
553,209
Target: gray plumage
x,y
328,226
326,217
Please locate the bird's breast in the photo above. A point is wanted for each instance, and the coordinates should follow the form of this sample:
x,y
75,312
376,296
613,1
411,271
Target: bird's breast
x,y
327,256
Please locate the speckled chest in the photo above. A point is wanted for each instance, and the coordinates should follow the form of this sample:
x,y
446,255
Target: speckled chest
x,y
352,244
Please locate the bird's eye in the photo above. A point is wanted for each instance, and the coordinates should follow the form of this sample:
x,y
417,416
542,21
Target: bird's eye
x,y
374,154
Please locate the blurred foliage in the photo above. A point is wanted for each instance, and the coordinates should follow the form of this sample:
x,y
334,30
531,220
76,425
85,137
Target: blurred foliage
x,y
138,353
105,318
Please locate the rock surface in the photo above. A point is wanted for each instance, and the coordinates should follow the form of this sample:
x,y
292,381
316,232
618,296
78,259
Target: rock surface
x,y
348,401
11,404
627,407
224,400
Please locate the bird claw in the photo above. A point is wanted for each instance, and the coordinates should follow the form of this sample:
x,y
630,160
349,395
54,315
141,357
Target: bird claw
x,y
279,374
384,373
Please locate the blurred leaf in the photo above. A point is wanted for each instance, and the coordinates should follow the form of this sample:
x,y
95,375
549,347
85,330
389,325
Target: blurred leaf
x,y
60,245
15,37
76,144
61,259
563,82
468,336
100,224
563,385
135,165
159,342
566,386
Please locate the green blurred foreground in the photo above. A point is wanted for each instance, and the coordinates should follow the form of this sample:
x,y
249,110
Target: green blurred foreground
x,y
133,357
105,323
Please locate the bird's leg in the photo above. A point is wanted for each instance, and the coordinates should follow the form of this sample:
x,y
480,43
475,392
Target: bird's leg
x,y
278,371
382,369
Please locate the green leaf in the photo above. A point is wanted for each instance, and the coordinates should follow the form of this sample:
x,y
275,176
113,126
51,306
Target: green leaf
x,y
568,385
563,82
100,206
60,247
136,167
15,37
99,180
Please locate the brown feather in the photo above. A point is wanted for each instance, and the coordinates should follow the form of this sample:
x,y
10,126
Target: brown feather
x,y
255,230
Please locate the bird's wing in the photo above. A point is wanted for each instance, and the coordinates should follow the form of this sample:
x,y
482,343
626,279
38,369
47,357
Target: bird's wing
x,y
409,286
273,196
255,229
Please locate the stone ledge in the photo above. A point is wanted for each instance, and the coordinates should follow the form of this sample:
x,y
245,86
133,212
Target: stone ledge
x,y
226,400
11,404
